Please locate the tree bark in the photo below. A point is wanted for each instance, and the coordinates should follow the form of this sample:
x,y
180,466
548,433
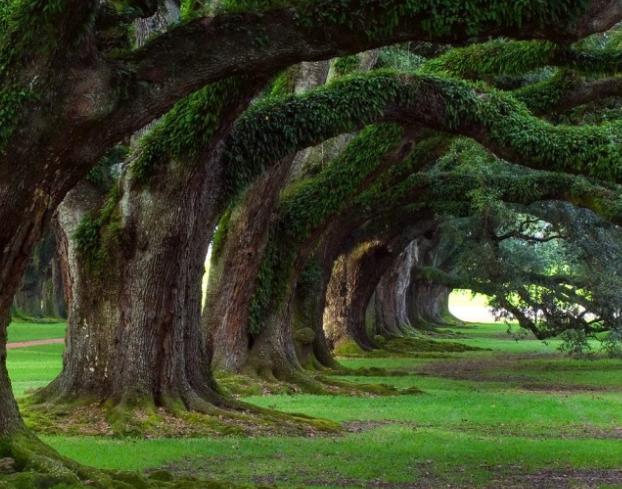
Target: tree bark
x,y
428,304
234,269
134,332
390,296
10,420
272,353
351,286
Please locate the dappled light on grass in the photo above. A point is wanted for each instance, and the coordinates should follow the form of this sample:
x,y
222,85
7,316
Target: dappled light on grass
x,y
526,410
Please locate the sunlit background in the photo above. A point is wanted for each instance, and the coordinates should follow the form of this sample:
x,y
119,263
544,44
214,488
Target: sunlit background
x,y
470,307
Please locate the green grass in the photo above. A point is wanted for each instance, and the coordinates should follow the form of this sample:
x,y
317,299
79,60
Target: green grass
x,y
30,368
518,409
391,453
22,331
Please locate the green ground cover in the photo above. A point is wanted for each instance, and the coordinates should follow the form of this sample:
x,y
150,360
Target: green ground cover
x,y
30,368
22,331
518,416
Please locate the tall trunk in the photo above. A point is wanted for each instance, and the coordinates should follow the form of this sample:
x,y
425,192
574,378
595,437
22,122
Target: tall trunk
x,y
10,420
428,304
390,296
355,277
234,268
272,352
134,333
304,315
134,327
354,282
23,223
310,304
239,253
39,295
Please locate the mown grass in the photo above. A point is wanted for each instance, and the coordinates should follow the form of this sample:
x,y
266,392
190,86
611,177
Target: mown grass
x,y
485,417
23,331
30,368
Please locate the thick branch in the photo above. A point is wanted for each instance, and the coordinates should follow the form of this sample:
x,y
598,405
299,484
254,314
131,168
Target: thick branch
x,y
273,130
502,57
209,49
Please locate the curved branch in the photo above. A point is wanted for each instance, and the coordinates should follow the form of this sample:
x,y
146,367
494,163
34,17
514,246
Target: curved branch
x,y
502,57
272,130
208,49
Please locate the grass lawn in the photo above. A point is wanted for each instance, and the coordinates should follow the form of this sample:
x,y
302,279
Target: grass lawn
x,y
19,331
518,416
30,368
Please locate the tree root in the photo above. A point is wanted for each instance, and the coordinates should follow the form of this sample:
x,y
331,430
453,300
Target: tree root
x,y
232,417
404,347
27,463
300,381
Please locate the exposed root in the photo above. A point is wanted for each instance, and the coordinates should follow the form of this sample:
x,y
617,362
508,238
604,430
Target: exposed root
x,y
309,382
87,418
404,347
27,463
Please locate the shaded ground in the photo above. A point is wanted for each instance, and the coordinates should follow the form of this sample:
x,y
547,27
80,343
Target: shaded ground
x,y
544,373
518,415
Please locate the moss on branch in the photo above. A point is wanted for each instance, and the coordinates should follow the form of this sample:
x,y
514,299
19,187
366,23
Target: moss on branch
x,y
498,120
306,205
186,130
515,58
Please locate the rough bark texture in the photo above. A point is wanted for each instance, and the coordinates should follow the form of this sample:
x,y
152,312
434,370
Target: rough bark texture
x,y
309,302
234,269
235,265
351,286
10,420
143,341
355,278
427,303
390,297
273,353
134,333
134,326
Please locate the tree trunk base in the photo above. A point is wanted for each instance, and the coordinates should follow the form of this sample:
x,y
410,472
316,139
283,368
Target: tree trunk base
x,y
302,381
26,462
84,417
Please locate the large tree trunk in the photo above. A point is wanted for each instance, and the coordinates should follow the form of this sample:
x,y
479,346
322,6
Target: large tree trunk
x,y
237,259
428,304
355,280
24,218
10,420
134,326
351,286
283,348
234,267
134,332
390,297
272,353
308,309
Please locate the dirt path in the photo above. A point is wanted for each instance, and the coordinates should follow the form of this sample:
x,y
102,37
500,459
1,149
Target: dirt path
x,y
26,344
